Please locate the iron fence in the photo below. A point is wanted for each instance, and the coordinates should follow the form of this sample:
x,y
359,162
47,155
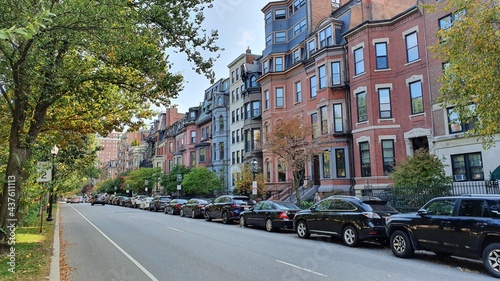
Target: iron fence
x,y
412,199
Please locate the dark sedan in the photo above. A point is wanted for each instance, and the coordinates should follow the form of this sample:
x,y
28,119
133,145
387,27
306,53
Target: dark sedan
x,y
227,208
271,215
194,208
159,202
174,206
354,219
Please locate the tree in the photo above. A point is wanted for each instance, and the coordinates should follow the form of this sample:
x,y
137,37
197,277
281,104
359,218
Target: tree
x,y
170,181
423,171
244,182
290,139
200,182
95,67
136,179
471,48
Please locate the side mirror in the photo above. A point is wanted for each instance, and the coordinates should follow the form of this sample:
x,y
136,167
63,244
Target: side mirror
x,y
422,212
313,208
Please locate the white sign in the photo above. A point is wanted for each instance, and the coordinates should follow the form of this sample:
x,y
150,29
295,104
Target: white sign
x,y
179,187
44,171
254,187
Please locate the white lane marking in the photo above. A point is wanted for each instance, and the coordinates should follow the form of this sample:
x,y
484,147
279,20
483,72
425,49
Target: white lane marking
x,y
119,248
174,229
133,217
301,268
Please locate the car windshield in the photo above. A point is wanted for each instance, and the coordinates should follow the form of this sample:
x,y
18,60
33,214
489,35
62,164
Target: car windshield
x,y
242,201
164,199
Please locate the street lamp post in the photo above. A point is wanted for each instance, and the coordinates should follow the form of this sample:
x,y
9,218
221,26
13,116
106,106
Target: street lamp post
x,y
54,152
254,168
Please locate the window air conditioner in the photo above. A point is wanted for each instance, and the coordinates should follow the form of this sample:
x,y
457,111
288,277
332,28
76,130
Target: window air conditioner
x,y
460,177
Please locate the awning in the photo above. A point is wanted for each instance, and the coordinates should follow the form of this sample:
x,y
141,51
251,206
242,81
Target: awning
x,y
495,175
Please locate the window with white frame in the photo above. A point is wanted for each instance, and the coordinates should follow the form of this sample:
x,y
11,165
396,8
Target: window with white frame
x,y
417,103
266,102
314,123
265,67
364,155
299,28
459,125
269,40
325,37
312,86
340,163
381,55
361,107
279,97
296,56
193,136
336,73
280,37
326,164
467,167
359,61
384,99
298,91
279,14
278,64
388,156
255,109
411,47
322,76
324,119
338,119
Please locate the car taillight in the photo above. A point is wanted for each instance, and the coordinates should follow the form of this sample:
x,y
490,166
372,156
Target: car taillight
x,y
232,205
371,215
283,216
201,206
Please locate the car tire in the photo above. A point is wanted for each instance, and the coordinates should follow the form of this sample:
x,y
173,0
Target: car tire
x,y
225,217
193,214
269,225
350,236
92,204
172,211
491,259
165,210
243,221
302,230
207,216
401,245
181,213
155,209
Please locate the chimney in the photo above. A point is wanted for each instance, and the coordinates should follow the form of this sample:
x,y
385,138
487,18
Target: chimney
x,y
248,50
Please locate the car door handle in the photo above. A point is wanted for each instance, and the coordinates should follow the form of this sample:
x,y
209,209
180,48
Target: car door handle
x,y
481,224
445,223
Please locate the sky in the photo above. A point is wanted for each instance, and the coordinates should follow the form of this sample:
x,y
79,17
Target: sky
x,y
240,24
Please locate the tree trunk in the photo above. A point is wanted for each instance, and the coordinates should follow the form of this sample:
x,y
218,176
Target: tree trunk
x,y
296,184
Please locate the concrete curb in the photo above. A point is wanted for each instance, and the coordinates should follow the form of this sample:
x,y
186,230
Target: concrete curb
x,y
54,262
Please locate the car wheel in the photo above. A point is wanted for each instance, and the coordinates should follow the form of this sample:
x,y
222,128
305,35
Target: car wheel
x,y
269,225
207,216
155,209
181,213
172,211
225,217
302,230
350,236
491,259
401,244
165,210
92,204
243,221
193,214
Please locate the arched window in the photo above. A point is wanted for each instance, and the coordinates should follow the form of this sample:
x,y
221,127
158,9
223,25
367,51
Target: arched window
x,y
253,81
220,101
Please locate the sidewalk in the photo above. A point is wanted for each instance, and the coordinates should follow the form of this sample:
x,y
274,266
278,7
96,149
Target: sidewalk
x,y
54,263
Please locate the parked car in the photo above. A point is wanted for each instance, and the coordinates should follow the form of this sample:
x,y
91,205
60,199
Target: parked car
x,y
98,199
126,201
271,215
352,218
145,203
466,226
227,208
159,202
75,199
136,200
194,208
174,206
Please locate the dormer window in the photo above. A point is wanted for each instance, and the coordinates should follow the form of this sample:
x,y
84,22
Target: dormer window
x,y
311,47
325,37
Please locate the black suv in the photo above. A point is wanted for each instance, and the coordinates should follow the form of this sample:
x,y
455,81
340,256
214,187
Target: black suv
x,y
466,226
352,218
227,208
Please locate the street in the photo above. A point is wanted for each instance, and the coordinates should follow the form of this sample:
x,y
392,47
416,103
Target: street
x,y
118,243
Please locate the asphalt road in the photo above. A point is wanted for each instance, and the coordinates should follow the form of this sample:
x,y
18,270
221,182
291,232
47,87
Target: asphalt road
x,y
118,243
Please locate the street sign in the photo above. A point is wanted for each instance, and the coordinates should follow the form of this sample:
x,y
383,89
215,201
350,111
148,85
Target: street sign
x,y
44,171
254,187
179,187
